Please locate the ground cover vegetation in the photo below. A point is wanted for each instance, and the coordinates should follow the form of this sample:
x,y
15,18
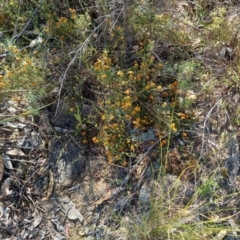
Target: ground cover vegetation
x,y
163,80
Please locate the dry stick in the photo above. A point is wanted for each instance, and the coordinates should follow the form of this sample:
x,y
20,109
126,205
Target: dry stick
x,y
28,22
149,151
18,35
78,51
116,19
125,181
17,90
204,126
23,114
3,56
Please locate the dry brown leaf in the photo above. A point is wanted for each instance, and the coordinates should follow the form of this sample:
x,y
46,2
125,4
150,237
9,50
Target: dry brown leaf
x,y
51,182
234,226
15,152
50,186
36,221
108,195
7,161
5,187
1,168
220,235
183,221
141,167
71,212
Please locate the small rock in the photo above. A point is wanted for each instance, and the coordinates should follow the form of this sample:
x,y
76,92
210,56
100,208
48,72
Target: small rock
x,y
64,118
145,194
66,160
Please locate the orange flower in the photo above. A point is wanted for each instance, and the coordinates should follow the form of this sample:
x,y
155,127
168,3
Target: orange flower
x,y
163,143
137,109
95,140
184,134
173,127
127,91
124,164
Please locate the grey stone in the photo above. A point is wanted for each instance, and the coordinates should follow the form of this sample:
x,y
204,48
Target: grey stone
x,y
232,162
66,160
64,118
145,194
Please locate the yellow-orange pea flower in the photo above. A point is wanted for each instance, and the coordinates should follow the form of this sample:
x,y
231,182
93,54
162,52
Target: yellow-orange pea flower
x,y
105,127
152,84
103,76
115,125
139,77
8,74
111,117
184,134
128,104
15,50
106,67
124,164
2,85
128,117
137,123
137,109
128,91
95,140
164,104
173,127
182,115
163,142
132,147
133,113
120,73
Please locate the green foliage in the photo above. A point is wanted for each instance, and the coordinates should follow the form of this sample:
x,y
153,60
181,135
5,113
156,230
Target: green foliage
x,y
24,72
139,66
137,98
218,28
207,189
79,119
76,26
